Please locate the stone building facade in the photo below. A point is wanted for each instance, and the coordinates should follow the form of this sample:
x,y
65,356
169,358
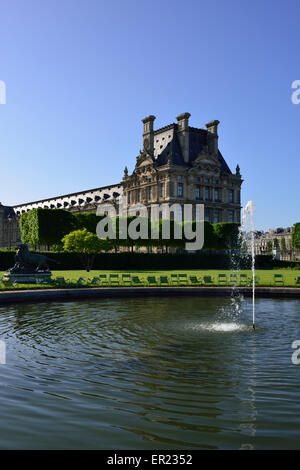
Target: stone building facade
x,y
285,249
9,227
84,201
183,164
177,164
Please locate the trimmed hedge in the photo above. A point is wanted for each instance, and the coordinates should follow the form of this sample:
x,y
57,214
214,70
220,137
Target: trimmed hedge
x,y
46,226
128,261
286,264
7,259
143,261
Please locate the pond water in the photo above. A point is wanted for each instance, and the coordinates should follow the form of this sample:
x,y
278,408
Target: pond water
x,y
152,373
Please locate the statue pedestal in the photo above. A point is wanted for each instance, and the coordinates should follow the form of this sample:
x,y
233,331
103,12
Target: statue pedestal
x,y
42,277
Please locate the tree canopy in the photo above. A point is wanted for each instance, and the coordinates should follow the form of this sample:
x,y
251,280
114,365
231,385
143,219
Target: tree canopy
x,y
86,245
46,226
296,236
227,234
88,220
49,227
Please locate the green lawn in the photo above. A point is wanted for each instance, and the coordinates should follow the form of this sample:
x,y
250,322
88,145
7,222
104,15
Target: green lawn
x,y
291,277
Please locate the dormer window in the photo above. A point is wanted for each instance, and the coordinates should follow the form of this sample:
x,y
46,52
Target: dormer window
x,y
207,193
179,189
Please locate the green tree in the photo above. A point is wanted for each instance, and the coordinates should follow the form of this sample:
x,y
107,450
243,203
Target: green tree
x,y
276,243
166,242
269,246
210,238
296,236
282,244
46,226
88,220
122,237
227,234
86,245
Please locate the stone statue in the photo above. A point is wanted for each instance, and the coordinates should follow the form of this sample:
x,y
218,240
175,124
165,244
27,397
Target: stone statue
x,y
27,262
29,266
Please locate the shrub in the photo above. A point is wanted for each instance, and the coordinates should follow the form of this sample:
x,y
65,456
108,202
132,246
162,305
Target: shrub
x,y
227,234
85,245
140,261
46,226
88,220
269,246
296,236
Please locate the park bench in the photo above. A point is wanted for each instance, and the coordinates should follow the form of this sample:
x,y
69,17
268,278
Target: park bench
x,y
207,280
94,280
244,281
278,280
80,282
103,280
114,280
136,281
164,280
126,280
60,282
174,279
182,279
233,280
222,279
152,281
194,281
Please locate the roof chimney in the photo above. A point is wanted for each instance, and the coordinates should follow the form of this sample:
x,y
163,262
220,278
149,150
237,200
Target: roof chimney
x,y
148,134
212,136
183,134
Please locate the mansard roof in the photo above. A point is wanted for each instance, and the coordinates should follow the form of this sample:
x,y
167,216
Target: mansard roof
x,y
172,151
9,212
197,143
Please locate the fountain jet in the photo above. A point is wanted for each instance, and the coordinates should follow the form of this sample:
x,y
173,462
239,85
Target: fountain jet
x,y
248,223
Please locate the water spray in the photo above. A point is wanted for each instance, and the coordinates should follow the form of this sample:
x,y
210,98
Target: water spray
x,y
248,215
253,271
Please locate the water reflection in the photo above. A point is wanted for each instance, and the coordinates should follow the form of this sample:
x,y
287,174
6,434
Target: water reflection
x,y
149,373
249,409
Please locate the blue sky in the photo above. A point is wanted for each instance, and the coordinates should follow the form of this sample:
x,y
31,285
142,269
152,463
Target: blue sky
x,y
80,76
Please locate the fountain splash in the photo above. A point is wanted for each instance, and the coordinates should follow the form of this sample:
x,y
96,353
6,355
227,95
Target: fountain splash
x,y
248,225
229,316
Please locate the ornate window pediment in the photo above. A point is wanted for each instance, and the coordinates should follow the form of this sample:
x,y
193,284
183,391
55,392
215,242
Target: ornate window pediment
x,y
206,159
207,162
144,159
